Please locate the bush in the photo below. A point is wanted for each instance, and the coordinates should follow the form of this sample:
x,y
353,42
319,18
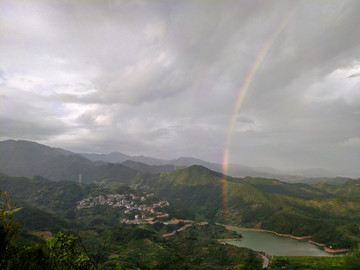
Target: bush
x,y
57,253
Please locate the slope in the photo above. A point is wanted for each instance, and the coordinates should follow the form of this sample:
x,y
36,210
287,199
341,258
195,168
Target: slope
x,y
261,203
20,158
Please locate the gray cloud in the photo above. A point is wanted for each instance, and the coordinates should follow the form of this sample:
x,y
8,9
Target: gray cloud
x,y
161,78
354,75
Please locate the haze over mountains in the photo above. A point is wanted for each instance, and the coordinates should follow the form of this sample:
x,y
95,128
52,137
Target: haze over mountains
x,y
327,211
234,169
26,158
194,192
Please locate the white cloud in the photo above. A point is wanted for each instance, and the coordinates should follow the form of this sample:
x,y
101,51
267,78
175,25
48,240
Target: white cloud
x,y
339,85
352,142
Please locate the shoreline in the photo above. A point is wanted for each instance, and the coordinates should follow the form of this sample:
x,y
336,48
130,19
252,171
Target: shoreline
x,y
230,239
340,250
262,230
316,243
326,249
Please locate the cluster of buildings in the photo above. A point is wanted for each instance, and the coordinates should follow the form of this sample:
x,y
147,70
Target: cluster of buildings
x,y
130,203
114,200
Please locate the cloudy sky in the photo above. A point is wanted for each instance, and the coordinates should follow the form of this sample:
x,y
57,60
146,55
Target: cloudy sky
x,y
161,78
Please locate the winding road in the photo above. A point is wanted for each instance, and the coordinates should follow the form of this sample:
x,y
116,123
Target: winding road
x,y
266,261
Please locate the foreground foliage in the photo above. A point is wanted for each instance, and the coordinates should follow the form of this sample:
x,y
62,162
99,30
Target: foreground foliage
x,y
350,261
60,252
123,247
193,248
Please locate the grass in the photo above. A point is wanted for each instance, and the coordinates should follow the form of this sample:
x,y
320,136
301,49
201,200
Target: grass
x,y
307,262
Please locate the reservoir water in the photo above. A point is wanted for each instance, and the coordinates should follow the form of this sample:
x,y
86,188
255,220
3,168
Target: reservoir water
x,y
276,245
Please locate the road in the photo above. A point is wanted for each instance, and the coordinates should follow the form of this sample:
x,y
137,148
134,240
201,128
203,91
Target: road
x,y
266,261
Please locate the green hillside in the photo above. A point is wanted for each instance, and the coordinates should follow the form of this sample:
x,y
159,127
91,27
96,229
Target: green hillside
x,y
328,213
295,209
110,172
33,218
350,188
195,248
43,193
298,190
197,193
110,245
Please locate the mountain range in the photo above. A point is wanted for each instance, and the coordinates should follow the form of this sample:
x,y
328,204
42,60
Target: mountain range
x,y
233,169
26,158
327,212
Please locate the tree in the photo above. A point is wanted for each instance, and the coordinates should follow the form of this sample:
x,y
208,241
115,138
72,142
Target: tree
x,y
352,259
8,230
57,253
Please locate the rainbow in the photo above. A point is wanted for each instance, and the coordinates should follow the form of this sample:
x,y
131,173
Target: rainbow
x,y
239,100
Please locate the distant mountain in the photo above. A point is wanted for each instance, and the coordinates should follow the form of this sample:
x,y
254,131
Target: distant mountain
x,y
110,172
233,169
25,158
64,167
22,158
310,180
311,172
114,157
117,157
142,167
28,159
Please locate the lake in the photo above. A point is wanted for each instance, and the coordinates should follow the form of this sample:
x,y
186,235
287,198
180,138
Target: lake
x,y
276,245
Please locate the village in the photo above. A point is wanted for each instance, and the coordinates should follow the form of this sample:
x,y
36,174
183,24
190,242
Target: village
x,y
145,212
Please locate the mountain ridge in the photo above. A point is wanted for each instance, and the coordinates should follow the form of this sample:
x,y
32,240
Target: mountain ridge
x,y
20,158
235,170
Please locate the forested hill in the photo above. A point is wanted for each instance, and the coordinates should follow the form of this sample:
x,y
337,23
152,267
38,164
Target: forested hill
x,y
328,213
195,193
296,209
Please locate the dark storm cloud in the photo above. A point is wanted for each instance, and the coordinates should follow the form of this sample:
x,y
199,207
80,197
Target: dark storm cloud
x,y
161,78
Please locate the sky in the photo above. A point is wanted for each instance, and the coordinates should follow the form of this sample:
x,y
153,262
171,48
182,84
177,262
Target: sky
x,y
162,78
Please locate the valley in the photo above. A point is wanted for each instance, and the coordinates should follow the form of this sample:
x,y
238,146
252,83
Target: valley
x,y
117,211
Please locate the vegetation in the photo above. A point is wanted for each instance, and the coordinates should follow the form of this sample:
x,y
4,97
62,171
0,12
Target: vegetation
x,y
307,263
349,189
122,247
196,193
60,252
193,248
265,203
330,214
350,261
